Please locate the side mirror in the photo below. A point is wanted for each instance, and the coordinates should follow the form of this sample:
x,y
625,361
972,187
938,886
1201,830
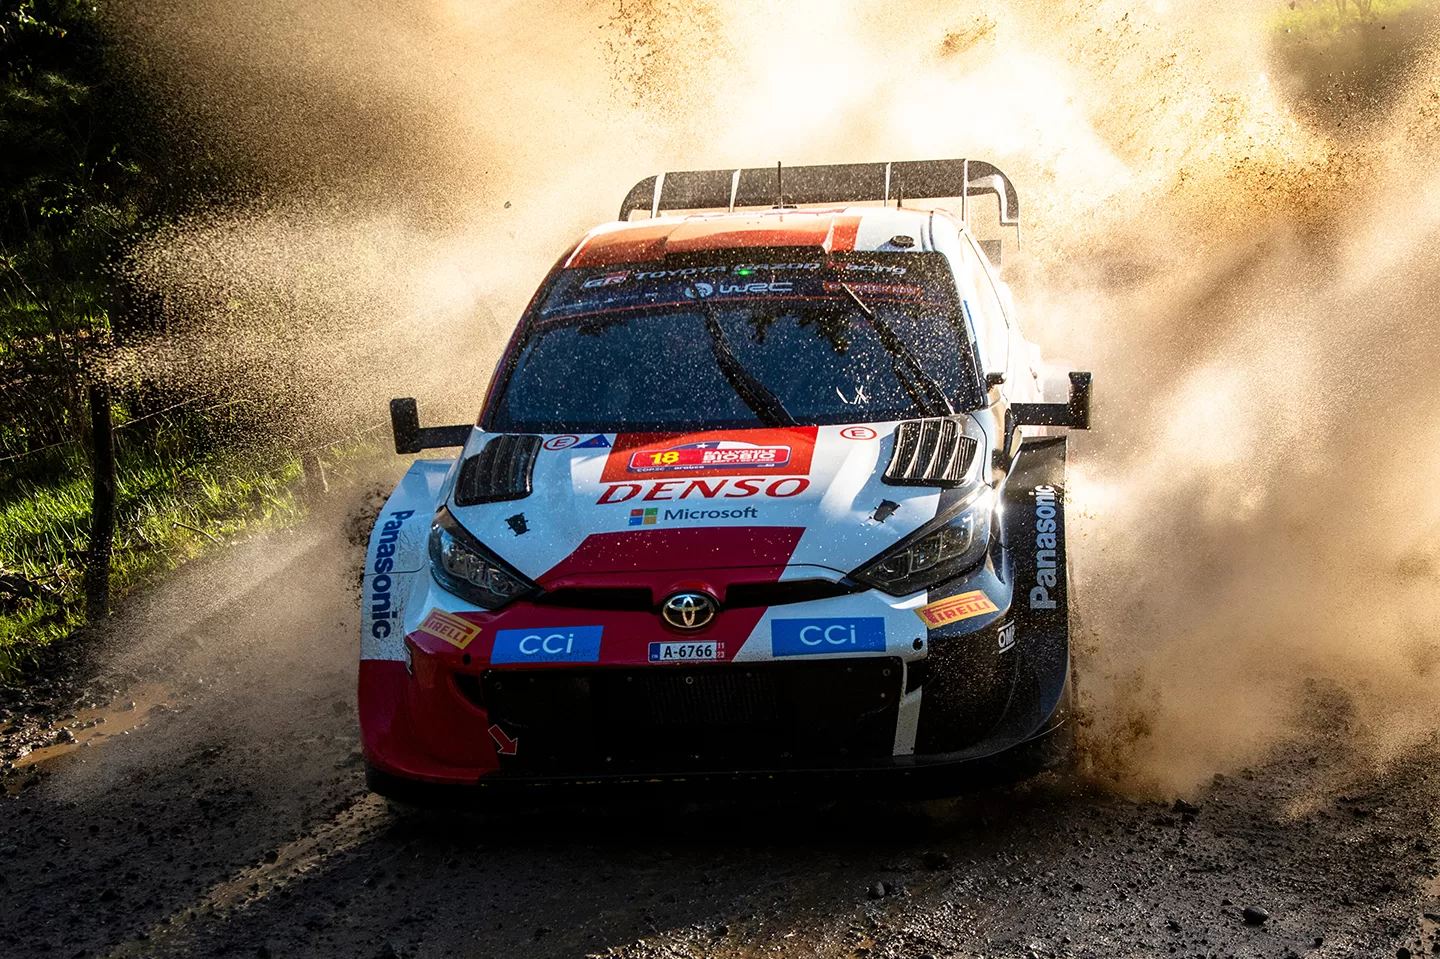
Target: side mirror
x,y
993,380
1074,414
411,437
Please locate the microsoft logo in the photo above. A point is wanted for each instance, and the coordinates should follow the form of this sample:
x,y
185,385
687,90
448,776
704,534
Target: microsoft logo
x,y
644,517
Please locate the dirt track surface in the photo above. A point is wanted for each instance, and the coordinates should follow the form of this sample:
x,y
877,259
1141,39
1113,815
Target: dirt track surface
x,y
233,820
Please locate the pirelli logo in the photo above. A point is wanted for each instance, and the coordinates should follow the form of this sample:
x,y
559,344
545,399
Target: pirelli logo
x,y
449,627
952,609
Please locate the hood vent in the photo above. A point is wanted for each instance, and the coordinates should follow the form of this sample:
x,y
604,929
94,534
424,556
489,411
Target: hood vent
x,y
499,472
930,453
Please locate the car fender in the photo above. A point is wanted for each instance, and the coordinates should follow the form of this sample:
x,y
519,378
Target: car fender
x,y
398,558
1034,531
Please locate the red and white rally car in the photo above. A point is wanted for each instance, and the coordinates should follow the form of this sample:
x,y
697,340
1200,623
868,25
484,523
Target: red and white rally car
x,y
749,499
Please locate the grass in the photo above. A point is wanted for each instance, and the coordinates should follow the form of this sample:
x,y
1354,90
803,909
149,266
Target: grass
x,y
44,528
1324,19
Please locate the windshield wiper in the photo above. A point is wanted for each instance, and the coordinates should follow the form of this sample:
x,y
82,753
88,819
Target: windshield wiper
x,y
764,404
923,390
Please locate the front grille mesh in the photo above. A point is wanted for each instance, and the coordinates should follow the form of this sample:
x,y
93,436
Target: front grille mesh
x,y
931,452
712,716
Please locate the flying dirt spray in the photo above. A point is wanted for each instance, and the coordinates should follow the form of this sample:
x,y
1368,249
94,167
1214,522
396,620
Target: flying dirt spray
x,y
1252,282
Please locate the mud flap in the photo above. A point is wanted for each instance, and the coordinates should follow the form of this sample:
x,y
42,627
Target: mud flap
x,y
1035,537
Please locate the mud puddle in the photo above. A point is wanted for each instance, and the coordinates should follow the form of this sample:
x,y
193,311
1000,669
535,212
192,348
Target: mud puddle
x,y
76,732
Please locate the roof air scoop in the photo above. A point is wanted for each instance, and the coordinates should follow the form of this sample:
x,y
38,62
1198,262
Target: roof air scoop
x,y
502,470
931,452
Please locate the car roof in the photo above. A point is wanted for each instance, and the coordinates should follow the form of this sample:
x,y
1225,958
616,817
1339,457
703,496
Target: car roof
x,y
846,228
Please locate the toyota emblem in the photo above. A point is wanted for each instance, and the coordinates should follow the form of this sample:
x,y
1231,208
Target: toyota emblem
x,y
689,610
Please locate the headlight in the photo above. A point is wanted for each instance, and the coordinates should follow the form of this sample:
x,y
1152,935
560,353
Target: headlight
x,y
464,567
936,553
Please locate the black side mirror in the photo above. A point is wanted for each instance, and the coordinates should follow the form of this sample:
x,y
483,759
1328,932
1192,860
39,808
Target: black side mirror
x,y
993,380
1074,414
411,437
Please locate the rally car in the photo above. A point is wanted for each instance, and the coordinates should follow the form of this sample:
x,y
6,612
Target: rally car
x,y
768,488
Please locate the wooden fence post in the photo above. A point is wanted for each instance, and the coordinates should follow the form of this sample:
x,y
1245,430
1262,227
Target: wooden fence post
x,y
102,513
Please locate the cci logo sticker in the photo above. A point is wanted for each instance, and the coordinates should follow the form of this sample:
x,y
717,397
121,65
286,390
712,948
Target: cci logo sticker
x,y
454,630
548,644
802,637
952,609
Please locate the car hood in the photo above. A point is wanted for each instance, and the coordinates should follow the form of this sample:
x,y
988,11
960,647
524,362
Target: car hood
x,y
810,500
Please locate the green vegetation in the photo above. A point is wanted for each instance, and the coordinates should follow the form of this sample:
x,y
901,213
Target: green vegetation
x,y
1316,19
92,161
169,507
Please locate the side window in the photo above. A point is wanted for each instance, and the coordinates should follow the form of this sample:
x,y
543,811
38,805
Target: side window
x,y
985,310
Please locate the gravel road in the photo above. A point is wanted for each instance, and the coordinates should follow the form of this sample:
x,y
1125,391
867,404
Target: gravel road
x,y
219,809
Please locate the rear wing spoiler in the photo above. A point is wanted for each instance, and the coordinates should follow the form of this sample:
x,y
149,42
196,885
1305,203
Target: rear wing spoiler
x,y
835,183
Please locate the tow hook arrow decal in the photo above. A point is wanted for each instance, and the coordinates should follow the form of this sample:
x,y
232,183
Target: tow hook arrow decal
x,y
503,743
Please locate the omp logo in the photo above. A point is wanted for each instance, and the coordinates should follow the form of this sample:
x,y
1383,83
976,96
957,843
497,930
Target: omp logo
x,y
558,644
952,609
1047,533
380,606
726,488
1007,636
805,637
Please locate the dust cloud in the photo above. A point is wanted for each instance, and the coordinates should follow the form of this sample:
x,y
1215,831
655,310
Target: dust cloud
x,y
1249,272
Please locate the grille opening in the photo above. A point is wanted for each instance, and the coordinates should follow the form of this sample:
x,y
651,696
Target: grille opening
x,y
741,595
931,452
598,597
469,687
502,470
724,716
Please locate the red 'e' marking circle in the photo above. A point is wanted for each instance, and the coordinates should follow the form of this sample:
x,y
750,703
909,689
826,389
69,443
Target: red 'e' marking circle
x,y
858,433
561,442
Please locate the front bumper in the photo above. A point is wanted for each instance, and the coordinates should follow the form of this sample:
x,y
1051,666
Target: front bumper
x,y
905,777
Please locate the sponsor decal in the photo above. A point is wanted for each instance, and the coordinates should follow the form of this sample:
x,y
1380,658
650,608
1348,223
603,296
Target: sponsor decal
x,y
382,612
708,489
952,609
504,745
858,433
684,271
449,627
649,516
547,644
701,289
785,451
562,442
907,290
875,268
805,637
745,269
609,279
686,652
712,454
596,442
1007,636
1047,546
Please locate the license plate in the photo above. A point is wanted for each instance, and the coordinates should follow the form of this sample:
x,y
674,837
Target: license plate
x,y
684,652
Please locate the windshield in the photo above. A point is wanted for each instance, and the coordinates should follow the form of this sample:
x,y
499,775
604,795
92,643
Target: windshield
x,y
853,339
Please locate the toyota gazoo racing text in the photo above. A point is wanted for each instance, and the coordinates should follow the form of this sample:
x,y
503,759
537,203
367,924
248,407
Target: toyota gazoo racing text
x,y
770,489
